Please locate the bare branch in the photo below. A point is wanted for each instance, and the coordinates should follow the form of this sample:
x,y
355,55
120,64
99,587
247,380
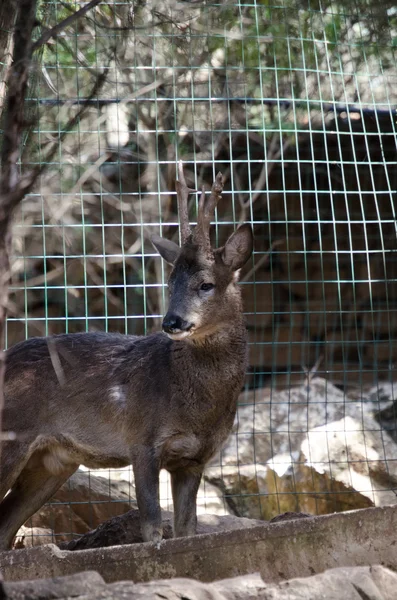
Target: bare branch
x,y
14,120
27,182
7,15
13,187
14,123
54,31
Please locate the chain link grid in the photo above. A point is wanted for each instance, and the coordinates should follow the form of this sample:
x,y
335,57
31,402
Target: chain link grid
x,y
295,103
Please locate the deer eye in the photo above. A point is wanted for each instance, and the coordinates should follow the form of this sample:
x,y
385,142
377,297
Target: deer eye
x,y
206,287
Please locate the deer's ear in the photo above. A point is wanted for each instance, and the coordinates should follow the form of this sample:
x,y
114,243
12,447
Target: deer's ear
x,y
238,248
166,248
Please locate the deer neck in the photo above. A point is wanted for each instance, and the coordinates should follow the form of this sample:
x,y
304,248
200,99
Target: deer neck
x,y
225,344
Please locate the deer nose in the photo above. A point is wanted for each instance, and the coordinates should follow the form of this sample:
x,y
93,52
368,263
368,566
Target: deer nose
x,y
174,323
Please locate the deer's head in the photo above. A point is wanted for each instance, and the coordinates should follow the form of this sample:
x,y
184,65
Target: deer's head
x,y
202,285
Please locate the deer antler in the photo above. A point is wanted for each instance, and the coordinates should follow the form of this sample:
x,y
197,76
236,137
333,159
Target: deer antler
x,y
182,194
206,211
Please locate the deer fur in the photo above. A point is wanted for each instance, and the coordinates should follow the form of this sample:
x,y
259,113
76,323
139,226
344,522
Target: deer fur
x,y
164,401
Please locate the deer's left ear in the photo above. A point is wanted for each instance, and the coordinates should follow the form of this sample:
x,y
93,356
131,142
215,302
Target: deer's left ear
x,y
238,248
166,248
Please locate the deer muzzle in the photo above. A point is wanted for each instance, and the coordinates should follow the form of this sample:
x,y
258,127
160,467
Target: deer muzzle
x,y
175,326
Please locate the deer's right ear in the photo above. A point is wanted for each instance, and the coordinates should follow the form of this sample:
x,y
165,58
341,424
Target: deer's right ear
x,y
167,249
238,247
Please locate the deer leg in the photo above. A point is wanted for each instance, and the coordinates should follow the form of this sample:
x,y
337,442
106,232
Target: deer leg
x,y
33,488
146,473
14,457
184,487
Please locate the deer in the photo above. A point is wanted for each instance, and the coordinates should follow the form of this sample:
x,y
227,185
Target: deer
x,y
107,400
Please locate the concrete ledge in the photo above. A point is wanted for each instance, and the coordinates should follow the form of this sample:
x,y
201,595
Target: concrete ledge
x,y
279,551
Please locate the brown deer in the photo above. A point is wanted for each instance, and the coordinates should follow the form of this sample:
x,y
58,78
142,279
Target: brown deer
x,y
164,401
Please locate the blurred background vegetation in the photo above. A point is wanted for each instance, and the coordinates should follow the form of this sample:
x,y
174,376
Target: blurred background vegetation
x,y
294,101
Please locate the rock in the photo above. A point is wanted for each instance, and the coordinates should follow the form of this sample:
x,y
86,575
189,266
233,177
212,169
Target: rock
x,y
354,583
62,519
299,486
90,498
371,583
123,475
270,423
241,588
289,516
209,498
125,529
168,589
349,583
81,504
342,464
27,537
306,449
244,488
70,586
357,453
216,523
386,414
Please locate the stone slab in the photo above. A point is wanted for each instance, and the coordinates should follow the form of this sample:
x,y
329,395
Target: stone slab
x,y
278,551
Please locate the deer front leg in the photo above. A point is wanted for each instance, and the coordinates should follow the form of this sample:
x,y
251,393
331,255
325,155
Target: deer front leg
x,y
33,488
146,473
184,486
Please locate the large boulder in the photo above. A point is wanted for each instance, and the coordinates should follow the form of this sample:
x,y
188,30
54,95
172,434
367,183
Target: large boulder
x,y
27,537
310,448
270,422
298,485
210,498
80,505
356,452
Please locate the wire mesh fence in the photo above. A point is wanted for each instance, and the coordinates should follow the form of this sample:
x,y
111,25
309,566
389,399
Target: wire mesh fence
x,y
295,102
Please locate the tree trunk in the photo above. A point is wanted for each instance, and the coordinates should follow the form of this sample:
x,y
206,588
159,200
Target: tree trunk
x,y
8,12
13,120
